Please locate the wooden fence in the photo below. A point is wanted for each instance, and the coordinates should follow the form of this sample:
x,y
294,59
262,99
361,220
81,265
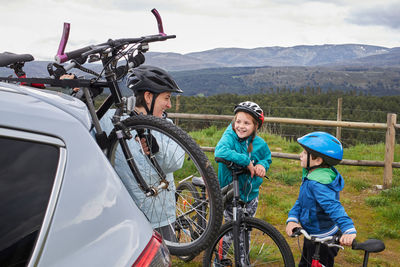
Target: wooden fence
x,y
390,127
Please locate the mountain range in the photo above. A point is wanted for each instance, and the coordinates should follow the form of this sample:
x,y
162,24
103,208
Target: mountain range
x,y
371,69
303,55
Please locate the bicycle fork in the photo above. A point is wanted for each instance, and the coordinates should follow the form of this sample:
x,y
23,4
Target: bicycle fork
x,y
123,134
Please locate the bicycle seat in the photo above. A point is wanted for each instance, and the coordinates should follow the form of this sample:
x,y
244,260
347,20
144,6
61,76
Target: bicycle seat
x,y
198,181
8,58
371,245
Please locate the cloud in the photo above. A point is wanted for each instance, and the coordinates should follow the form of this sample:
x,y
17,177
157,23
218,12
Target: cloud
x,y
382,15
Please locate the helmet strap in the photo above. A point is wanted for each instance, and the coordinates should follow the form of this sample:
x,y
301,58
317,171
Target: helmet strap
x,y
308,161
153,101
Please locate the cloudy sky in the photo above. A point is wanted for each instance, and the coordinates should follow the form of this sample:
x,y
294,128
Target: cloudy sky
x,y
35,27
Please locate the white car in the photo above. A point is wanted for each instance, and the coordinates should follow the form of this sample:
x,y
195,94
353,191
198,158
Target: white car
x,y
61,202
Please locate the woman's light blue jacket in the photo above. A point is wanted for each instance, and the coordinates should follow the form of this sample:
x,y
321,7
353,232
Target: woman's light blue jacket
x,y
160,209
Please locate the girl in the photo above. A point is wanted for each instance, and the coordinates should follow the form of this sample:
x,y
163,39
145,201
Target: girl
x,y
241,145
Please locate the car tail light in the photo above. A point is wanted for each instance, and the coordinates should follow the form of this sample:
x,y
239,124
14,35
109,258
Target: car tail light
x,y
154,254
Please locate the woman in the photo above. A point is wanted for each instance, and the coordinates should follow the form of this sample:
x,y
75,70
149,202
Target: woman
x,y
152,88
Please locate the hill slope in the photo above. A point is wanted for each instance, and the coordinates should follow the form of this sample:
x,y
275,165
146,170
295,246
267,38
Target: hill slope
x,y
371,69
302,55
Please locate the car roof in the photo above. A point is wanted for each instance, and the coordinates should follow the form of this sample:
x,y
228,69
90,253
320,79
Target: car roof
x,y
25,103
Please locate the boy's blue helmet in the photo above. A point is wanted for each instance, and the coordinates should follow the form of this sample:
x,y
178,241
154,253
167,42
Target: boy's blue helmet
x,y
323,145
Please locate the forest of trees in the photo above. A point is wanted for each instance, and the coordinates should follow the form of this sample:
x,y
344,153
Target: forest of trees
x,y
307,103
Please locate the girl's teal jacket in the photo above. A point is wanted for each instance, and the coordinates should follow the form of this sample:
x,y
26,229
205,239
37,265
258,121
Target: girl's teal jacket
x,y
231,147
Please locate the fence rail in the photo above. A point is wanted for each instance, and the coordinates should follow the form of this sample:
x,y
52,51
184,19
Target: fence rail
x,y
390,127
351,162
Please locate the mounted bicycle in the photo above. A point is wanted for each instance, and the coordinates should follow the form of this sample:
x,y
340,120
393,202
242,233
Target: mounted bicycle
x,y
164,141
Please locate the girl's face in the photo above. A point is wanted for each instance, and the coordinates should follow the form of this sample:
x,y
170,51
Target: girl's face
x,y
244,125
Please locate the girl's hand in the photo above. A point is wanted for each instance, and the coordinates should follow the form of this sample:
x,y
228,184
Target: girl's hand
x,y
347,239
259,170
251,169
290,226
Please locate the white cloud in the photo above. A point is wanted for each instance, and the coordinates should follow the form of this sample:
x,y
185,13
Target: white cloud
x,y
35,26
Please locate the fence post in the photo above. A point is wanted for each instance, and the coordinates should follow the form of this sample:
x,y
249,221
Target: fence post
x,y
177,106
389,150
339,118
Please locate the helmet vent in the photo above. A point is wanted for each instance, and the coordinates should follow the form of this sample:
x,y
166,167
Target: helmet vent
x,y
157,81
335,141
158,72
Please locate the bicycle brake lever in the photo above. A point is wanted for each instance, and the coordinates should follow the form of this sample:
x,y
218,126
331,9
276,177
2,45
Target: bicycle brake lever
x,y
334,245
58,72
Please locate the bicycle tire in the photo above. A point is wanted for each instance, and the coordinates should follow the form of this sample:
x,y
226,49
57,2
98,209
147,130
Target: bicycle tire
x,y
267,246
195,163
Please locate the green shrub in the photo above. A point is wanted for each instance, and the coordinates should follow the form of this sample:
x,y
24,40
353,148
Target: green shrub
x,y
294,148
359,184
288,177
376,201
393,193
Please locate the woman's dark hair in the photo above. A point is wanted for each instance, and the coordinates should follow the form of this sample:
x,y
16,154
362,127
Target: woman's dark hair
x,y
139,99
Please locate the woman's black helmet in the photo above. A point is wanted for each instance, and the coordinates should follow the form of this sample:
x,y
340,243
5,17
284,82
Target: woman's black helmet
x,y
153,79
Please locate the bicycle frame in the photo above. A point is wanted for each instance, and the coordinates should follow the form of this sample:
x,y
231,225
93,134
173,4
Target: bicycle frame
x,y
237,213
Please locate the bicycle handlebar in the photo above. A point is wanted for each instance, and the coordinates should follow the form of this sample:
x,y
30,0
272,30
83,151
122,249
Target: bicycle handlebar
x,y
230,164
82,53
64,39
330,241
370,245
159,21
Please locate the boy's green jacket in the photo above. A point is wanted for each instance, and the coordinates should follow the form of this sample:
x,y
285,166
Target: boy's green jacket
x,y
232,148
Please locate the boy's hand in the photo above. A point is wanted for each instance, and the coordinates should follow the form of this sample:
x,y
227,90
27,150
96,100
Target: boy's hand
x,y
290,226
347,239
251,169
259,170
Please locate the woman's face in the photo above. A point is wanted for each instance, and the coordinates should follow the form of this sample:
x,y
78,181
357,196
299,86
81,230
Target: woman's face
x,y
244,125
163,102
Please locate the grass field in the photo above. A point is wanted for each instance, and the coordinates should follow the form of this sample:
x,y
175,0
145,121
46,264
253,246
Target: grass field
x,y
376,213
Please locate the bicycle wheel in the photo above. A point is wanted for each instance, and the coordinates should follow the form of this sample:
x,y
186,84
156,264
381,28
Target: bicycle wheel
x,y
179,157
266,246
187,197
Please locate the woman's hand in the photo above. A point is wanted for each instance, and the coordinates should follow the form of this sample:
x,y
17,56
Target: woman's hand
x,y
144,145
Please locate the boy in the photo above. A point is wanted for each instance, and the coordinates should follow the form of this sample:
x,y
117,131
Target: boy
x,y
318,209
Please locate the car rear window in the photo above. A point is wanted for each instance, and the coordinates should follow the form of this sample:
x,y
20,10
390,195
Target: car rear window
x,y
27,173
